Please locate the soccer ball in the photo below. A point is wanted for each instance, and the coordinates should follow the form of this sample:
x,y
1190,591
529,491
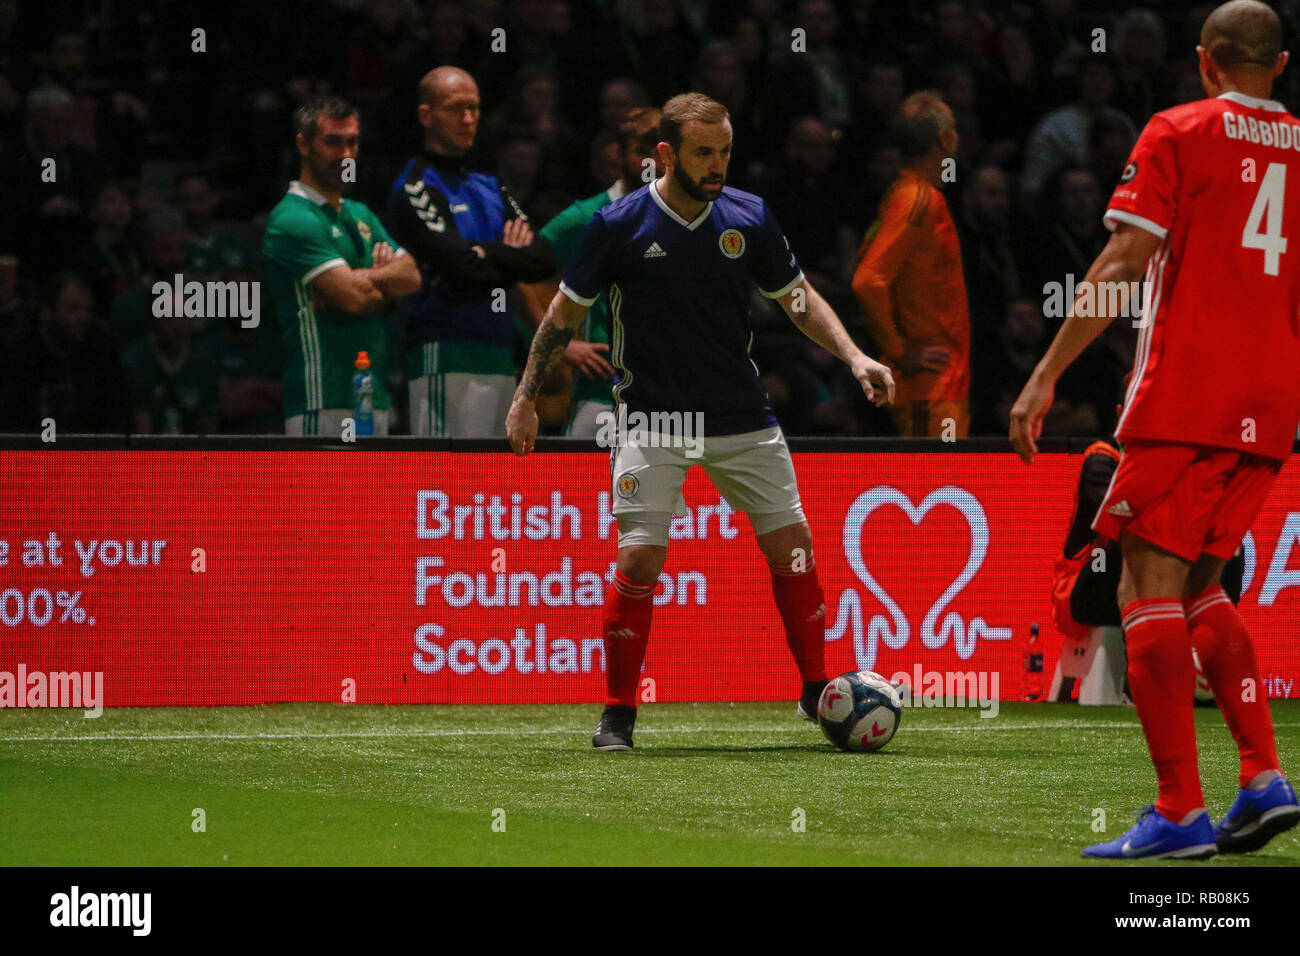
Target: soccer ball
x,y
859,711
1204,695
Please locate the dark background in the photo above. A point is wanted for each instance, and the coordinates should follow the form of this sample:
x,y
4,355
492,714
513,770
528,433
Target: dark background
x,y
142,110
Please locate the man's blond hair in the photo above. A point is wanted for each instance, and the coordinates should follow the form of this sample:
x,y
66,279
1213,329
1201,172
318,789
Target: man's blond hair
x,y
685,107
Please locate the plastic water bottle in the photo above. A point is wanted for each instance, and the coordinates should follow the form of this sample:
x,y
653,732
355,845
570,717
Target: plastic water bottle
x,y
363,391
1032,682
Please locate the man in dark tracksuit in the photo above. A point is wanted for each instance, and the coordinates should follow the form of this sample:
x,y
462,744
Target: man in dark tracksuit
x,y
473,244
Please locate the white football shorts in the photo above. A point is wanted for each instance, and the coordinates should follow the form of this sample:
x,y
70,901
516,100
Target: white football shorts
x,y
752,470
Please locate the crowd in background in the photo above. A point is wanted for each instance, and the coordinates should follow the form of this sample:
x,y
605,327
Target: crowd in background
x,y
168,159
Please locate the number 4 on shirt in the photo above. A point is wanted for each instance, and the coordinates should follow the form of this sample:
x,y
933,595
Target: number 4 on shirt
x,y
1268,203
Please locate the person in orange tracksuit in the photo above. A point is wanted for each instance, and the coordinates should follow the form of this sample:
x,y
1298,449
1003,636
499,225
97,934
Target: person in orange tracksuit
x,y
909,280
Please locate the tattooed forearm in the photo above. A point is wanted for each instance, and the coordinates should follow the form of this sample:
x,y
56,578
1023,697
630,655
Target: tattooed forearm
x,y
548,346
563,318
817,320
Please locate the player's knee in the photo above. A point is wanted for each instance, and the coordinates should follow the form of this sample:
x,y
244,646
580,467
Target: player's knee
x,y
641,563
787,544
802,536
801,546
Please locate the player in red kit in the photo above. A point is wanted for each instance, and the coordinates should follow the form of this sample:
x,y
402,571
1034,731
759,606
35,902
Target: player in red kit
x,y
1209,207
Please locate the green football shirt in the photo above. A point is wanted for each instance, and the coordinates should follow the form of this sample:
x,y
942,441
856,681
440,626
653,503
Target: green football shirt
x,y
247,354
220,252
131,312
563,233
177,397
304,237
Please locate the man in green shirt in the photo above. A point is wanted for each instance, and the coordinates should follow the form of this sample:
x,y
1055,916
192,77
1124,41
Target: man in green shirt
x,y
212,252
131,314
249,368
330,268
173,386
638,139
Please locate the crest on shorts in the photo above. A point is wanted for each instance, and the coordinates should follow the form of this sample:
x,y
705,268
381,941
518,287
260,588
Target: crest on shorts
x,y
732,243
364,229
627,485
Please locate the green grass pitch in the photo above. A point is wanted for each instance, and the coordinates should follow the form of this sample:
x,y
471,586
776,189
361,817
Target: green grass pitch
x,y
319,784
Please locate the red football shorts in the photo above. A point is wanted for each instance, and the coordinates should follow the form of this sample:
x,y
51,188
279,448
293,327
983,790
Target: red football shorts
x,y
1187,499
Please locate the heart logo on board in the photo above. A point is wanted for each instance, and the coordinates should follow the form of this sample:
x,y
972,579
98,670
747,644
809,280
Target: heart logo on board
x,y
895,630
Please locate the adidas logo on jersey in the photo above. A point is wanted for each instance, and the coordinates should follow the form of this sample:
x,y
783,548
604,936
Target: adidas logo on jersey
x,y
654,252
335,232
1120,510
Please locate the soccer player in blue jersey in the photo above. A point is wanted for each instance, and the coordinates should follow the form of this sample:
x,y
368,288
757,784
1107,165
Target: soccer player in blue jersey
x,y
679,258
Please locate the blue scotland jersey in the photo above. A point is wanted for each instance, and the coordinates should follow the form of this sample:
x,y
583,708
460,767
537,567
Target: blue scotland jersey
x,y
679,296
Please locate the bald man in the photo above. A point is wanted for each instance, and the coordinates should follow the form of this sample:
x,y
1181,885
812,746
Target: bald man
x,y
1204,208
473,244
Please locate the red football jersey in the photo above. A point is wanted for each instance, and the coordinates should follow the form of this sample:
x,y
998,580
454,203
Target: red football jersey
x,y
1218,356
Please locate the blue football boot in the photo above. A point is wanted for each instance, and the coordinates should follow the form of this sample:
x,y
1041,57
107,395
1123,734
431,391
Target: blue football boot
x,y
1155,838
1257,816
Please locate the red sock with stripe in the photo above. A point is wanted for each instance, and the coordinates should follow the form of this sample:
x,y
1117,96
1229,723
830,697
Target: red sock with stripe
x,y
1228,658
802,606
1162,677
626,630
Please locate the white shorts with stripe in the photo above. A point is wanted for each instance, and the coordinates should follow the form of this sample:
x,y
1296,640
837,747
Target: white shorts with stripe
x,y
584,418
753,471
460,404
328,422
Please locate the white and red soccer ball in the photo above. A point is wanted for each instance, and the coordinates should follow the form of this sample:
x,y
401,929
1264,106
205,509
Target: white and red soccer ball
x,y
859,711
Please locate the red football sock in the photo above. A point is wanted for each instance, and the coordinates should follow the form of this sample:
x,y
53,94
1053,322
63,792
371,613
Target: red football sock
x,y
1161,677
1228,658
802,607
626,629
